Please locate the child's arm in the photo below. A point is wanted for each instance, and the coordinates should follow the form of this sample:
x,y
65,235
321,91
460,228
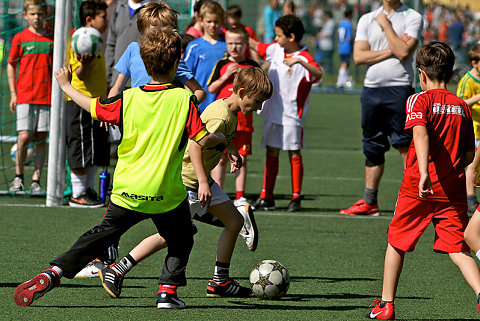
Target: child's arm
x,y
215,86
472,100
119,85
11,86
204,193
314,71
63,76
83,71
421,141
234,157
193,85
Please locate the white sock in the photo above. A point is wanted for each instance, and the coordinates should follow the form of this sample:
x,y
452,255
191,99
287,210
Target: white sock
x,y
91,173
478,254
58,270
342,76
79,184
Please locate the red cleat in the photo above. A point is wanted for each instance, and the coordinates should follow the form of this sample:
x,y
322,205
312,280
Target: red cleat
x,y
35,288
382,310
361,208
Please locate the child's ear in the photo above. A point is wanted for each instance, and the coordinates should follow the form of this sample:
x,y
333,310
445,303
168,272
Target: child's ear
x,y
88,20
241,93
291,37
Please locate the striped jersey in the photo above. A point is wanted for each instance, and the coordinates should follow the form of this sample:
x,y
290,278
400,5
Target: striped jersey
x,y
156,122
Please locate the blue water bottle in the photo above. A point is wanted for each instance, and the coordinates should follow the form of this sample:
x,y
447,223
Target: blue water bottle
x,y
104,184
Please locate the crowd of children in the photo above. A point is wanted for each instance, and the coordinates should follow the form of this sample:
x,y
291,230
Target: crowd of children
x,y
184,117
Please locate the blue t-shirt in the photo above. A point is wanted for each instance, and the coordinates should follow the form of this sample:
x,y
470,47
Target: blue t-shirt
x,y
201,57
131,65
345,34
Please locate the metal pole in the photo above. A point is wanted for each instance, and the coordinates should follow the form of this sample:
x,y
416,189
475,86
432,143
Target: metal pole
x,y
56,151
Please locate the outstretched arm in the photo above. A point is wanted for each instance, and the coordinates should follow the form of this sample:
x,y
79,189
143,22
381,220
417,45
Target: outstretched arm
x,y
64,76
193,85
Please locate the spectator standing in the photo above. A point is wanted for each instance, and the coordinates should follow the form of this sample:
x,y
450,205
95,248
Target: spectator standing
x,y
194,27
345,47
270,14
325,43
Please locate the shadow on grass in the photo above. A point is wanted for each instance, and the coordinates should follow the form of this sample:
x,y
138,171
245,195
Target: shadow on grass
x,y
76,286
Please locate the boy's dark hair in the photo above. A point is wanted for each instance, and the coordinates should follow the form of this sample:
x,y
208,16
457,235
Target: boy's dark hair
x,y
291,24
436,59
255,82
91,8
348,13
474,53
196,8
162,42
234,11
186,40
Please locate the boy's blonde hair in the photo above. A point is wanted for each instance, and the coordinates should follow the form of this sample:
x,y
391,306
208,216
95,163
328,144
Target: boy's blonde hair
x,y
239,31
255,82
474,53
156,14
160,48
212,7
35,3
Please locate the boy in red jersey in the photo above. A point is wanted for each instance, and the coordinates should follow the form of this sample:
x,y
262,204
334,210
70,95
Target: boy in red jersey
x,y
30,92
292,72
433,186
221,83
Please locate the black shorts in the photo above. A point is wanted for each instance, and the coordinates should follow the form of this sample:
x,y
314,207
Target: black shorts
x,y
383,116
87,142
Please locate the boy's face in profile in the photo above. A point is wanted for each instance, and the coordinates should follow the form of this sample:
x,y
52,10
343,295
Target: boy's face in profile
x,y
211,24
99,22
250,104
236,45
476,67
35,16
281,38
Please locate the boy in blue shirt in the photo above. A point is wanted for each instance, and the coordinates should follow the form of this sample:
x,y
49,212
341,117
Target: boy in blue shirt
x,y
345,47
203,53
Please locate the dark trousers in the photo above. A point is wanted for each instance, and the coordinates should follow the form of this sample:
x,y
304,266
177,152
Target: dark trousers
x,y
174,226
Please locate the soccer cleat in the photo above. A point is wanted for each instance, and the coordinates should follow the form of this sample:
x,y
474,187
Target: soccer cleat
x,y
112,281
266,204
478,302
241,201
83,201
16,185
295,205
169,301
34,289
249,230
229,289
382,310
361,208
36,188
90,270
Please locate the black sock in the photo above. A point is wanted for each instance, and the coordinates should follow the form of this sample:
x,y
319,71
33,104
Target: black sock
x,y
222,271
125,265
472,198
370,196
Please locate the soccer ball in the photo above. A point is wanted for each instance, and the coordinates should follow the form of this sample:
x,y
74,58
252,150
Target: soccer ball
x,y
269,279
87,40
30,153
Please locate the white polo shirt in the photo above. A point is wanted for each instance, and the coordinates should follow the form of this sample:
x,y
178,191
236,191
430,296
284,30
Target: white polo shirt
x,y
291,85
391,71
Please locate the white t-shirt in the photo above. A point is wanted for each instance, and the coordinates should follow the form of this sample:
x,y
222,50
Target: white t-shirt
x,y
326,41
391,71
291,85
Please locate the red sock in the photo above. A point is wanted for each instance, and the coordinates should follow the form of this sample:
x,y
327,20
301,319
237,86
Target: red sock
x,y
172,289
240,194
270,175
296,164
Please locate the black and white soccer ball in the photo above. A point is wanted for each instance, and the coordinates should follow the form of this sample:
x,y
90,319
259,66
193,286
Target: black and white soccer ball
x,y
269,279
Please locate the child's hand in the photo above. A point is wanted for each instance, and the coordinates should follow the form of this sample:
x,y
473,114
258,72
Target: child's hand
x,y
291,61
63,76
204,194
231,69
425,186
235,160
85,59
13,102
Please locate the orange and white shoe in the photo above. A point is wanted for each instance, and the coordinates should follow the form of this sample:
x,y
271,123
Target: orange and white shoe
x,y
361,208
382,310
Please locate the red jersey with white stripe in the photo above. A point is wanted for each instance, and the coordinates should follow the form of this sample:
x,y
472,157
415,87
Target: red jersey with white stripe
x,y
291,85
450,129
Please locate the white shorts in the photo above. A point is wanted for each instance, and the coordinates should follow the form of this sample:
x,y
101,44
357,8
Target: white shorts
x,y
282,136
218,197
33,117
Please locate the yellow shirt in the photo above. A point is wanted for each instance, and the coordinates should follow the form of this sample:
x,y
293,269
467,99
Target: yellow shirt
x,y
218,119
96,83
468,87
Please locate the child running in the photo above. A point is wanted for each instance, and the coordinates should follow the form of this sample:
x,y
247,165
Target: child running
x,y
433,186
208,202
156,121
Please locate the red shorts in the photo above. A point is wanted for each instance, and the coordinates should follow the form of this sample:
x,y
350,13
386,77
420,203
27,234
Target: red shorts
x,y
243,142
412,217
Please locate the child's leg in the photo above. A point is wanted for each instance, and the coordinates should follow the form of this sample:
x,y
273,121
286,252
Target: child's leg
x,y
79,181
23,139
40,145
147,247
218,173
471,197
270,173
469,268
241,179
472,233
391,273
296,164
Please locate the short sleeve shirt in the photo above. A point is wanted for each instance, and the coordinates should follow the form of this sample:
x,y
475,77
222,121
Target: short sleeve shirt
x,y
345,34
291,85
400,73
448,121
96,83
468,87
34,54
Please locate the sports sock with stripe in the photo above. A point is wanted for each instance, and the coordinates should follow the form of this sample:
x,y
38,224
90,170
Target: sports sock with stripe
x,y
124,265
222,271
